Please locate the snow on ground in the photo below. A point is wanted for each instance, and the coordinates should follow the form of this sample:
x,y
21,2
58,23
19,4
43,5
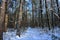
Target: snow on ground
x,y
56,32
33,34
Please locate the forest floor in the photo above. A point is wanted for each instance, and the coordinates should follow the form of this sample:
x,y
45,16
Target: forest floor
x,y
34,34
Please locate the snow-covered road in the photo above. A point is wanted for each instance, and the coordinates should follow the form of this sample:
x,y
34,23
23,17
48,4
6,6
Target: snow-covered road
x,y
34,34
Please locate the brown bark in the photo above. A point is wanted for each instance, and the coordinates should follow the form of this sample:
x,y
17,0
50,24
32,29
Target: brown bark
x,y
2,13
